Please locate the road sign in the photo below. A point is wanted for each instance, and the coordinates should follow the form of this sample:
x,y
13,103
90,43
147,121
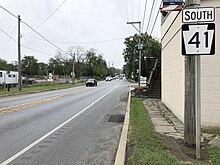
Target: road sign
x,y
196,15
198,39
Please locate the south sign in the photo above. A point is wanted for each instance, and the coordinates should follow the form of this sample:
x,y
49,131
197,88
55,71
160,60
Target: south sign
x,y
195,15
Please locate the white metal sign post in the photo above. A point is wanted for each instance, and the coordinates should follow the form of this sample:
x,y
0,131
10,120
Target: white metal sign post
x,y
198,38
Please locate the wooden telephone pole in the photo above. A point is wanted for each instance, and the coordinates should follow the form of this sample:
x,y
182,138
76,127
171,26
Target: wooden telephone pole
x,y
19,54
192,114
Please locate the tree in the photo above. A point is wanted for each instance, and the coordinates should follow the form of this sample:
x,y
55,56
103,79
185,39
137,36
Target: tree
x,y
29,66
5,66
42,68
151,48
95,65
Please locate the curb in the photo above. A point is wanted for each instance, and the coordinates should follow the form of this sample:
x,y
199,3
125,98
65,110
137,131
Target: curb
x,y
121,152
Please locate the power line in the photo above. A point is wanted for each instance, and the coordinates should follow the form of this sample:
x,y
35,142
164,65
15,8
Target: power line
x,y
154,22
32,28
36,50
23,45
8,12
35,45
156,18
7,34
127,9
71,42
171,38
49,16
9,39
145,7
42,36
132,6
139,6
150,15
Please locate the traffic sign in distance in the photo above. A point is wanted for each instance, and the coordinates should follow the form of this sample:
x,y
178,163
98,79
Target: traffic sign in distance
x,y
198,15
198,39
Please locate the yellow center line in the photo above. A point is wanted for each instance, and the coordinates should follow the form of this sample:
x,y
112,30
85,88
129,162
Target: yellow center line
x,y
15,108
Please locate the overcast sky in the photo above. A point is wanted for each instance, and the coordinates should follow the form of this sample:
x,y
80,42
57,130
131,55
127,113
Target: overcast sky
x,y
98,24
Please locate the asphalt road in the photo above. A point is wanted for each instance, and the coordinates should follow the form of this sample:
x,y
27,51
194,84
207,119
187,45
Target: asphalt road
x,y
62,127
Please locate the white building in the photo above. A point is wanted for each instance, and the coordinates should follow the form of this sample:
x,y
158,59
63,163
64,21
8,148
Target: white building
x,y
173,69
8,77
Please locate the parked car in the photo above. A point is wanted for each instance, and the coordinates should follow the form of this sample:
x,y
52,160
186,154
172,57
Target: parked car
x,y
91,82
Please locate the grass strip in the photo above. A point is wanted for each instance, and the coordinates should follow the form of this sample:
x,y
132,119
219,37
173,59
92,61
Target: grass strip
x,y
147,146
214,155
38,87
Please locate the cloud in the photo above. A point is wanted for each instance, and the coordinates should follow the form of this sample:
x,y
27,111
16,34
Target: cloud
x,y
76,21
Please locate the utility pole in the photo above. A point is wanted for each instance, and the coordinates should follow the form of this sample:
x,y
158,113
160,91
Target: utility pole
x,y
73,71
139,49
192,112
19,53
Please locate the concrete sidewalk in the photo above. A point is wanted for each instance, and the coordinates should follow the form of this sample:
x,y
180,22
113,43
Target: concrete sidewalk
x,y
165,123
168,124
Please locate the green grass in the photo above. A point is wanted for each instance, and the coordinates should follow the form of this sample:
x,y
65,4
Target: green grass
x,y
147,146
37,87
214,155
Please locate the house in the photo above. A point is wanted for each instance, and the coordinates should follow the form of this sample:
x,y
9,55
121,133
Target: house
x,y
173,69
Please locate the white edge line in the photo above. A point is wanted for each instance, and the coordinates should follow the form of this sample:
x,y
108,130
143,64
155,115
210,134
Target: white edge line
x,y
49,133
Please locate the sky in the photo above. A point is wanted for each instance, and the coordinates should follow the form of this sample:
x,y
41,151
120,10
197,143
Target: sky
x,y
91,24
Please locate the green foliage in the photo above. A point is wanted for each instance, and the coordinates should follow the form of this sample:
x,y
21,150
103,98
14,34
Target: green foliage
x,y
214,154
90,64
95,65
29,66
151,48
5,66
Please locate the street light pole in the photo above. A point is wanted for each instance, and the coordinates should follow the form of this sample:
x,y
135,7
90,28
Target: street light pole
x,y
139,48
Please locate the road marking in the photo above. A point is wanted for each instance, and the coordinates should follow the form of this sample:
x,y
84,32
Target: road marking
x,y
14,108
52,131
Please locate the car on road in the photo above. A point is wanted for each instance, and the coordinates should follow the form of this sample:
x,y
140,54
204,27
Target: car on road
x,y
91,82
109,78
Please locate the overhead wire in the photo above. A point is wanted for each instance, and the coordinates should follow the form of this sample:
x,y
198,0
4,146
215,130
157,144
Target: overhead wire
x,y
48,16
36,45
3,51
23,45
145,7
126,1
149,20
155,20
132,5
8,11
7,34
139,7
71,42
36,50
43,36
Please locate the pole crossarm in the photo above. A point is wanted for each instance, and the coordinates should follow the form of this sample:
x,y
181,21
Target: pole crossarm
x,y
132,23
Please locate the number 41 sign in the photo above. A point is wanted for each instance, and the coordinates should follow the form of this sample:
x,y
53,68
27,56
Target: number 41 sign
x,y
198,39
